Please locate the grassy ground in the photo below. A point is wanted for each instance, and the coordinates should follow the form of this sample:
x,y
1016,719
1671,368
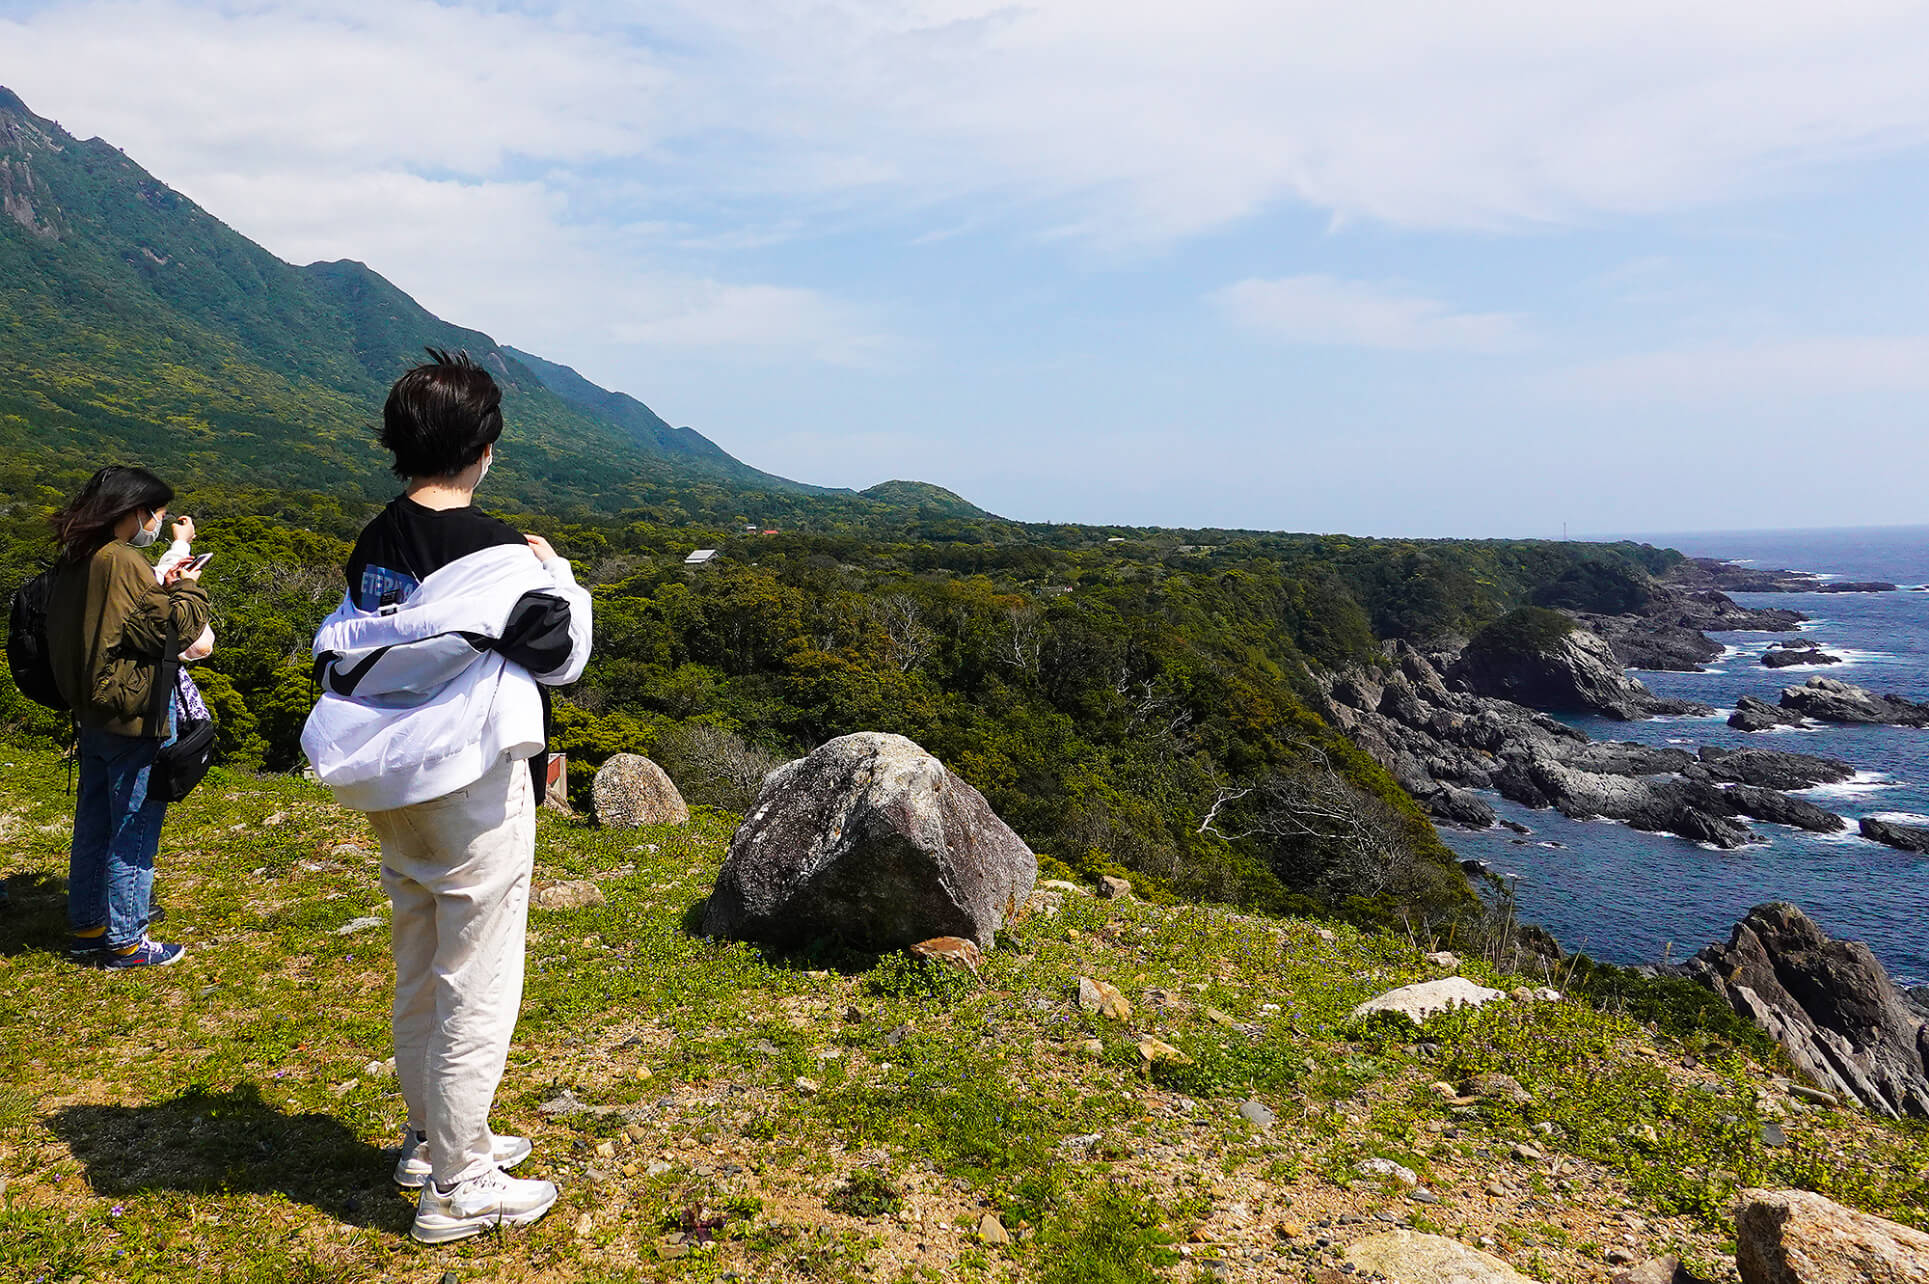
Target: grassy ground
x,y
732,1116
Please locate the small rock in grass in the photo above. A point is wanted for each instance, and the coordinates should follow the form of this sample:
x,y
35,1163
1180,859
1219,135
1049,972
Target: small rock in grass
x,y
1060,885
952,951
577,893
1388,1169
1501,1087
1217,1017
1410,1256
658,1167
1258,1114
1535,994
345,1087
1111,888
605,1150
1423,1196
1773,1136
1418,1002
585,1226
992,1231
1325,934
1103,998
355,925
1152,1051
1528,1153
1444,958
808,1087
1093,1048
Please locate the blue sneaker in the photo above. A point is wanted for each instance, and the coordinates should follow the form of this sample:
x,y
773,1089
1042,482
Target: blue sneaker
x,y
148,953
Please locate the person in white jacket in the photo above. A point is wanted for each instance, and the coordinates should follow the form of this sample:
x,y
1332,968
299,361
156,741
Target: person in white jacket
x,y
434,674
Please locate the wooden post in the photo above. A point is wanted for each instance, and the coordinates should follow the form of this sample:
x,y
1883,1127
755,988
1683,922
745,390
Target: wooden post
x,y
556,785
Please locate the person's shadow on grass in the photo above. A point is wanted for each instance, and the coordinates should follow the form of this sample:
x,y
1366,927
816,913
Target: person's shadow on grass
x,y
234,1141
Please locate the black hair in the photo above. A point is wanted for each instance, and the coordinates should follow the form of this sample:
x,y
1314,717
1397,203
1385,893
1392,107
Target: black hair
x,y
87,524
440,417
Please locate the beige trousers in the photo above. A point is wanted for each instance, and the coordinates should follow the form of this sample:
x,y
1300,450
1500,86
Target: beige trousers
x,y
457,869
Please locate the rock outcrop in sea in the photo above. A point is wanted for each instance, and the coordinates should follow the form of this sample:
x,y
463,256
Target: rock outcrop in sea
x,y
1827,700
871,841
1829,1004
1441,744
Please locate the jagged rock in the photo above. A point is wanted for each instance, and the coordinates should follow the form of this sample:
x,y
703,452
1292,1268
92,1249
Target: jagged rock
x,y
1573,672
1102,998
578,893
631,791
1828,700
1409,1257
1693,810
952,951
1798,1237
1418,1002
1459,806
1782,655
869,839
1771,769
1758,715
1621,758
1111,887
1659,1270
1908,838
1780,809
1828,1003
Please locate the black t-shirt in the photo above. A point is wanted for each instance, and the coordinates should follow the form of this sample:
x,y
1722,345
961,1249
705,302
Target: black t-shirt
x,y
407,543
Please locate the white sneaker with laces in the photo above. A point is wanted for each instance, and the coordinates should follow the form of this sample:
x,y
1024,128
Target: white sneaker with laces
x,y
413,1168
493,1199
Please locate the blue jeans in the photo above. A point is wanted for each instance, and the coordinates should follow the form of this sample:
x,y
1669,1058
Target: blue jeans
x,y
117,830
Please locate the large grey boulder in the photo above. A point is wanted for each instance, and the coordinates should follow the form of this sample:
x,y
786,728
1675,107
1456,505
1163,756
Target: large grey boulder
x,y
872,841
1798,1237
631,791
1420,1001
1829,1003
1828,700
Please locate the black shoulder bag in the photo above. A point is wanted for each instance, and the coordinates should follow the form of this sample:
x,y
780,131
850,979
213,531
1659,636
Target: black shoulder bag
x,y
182,761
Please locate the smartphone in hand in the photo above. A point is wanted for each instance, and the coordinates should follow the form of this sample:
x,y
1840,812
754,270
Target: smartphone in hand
x,y
198,561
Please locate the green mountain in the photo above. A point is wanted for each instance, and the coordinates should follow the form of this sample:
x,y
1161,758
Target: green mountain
x,y
143,328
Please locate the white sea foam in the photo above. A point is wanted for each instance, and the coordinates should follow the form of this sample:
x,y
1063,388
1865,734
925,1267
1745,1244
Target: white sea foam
x,y
1863,782
1900,817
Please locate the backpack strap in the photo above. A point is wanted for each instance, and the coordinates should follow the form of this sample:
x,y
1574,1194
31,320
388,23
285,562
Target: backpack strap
x,y
166,674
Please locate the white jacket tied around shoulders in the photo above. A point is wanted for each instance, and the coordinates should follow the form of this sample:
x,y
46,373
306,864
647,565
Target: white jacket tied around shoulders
x,y
415,704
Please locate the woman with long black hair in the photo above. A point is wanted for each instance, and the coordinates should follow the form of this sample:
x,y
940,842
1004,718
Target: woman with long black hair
x,y
109,624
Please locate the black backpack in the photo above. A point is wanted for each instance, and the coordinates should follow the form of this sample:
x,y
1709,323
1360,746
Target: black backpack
x,y
27,653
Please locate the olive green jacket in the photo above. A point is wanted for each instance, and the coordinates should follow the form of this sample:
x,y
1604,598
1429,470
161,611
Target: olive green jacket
x,y
106,625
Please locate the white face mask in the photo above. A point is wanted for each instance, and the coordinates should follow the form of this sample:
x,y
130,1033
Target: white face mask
x,y
488,461
143,537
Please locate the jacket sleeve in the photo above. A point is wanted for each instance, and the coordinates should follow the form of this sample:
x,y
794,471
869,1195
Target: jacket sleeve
x,y
549,632
144,630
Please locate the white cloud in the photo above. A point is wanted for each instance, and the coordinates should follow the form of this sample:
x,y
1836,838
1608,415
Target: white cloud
x,y
1325,310
1771,372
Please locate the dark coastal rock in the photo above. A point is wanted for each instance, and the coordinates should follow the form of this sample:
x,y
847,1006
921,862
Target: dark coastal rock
x,y
1788,654
1639,642
1459,807
1780,809
1621,758
1690,809
1541,659
1908,838
1855,586
871,841
1758,715
1771,769
1828,1003
1827,700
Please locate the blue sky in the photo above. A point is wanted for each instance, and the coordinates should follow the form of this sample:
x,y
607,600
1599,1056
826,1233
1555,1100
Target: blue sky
x,y
1387,268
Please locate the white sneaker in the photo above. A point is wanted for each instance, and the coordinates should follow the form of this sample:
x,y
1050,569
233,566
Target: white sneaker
x,y
493,1199
413,1168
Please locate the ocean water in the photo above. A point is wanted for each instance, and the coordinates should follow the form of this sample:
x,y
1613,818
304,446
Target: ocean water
x,y
1630,897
